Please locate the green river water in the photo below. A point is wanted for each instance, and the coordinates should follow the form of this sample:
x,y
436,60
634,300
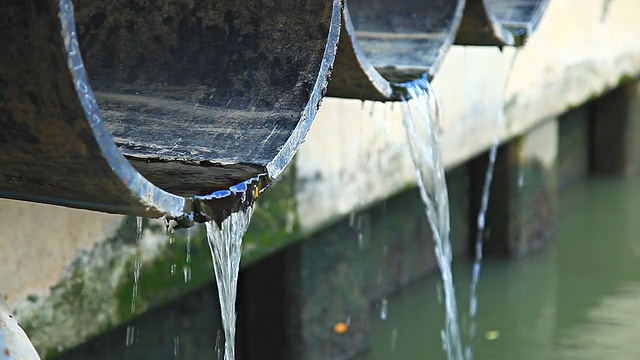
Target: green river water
x,y
577,298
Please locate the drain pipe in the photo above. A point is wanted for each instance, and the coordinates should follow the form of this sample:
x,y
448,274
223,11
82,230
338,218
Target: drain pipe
x,y
499,22
176,110
158,110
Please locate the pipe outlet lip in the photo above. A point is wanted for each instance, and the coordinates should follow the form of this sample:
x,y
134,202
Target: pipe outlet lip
x,y
384,42
170,108
499,22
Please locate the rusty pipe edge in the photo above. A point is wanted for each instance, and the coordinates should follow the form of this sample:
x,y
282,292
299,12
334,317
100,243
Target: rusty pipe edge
x,y
63,143
499,22
384,43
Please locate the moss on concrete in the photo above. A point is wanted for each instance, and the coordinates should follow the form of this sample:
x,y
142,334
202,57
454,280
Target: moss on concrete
x,y
625,79
275,221
95,294
82,304
158,283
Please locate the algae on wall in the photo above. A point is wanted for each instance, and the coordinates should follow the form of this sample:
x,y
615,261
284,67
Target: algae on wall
x,y
94,295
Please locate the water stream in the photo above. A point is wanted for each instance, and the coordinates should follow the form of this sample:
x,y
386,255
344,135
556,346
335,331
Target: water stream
x,y
131,330
420,118
186,268
477,261
136,265
225,242
481,221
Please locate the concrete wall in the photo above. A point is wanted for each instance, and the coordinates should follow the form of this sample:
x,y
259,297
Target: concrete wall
x,y
68,273
581,50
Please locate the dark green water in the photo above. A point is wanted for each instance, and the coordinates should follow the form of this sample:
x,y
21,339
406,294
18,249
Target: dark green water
x,y
578,298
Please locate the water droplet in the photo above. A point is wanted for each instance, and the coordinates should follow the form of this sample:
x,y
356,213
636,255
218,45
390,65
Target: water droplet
x,y
383,309
138,228
129,340
521,180
136,265
468,354
186,272
136,278
394,338
188,260
176,345
473,306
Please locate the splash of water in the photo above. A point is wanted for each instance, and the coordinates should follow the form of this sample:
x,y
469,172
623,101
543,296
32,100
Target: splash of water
x,y
225,242
420,121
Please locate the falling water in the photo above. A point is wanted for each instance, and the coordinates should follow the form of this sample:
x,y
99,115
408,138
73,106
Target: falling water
x,y
186,268
477,261
481,221
130,338
176,346
136,266
420,122
225,243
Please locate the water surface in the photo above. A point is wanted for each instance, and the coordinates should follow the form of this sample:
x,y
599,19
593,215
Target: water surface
x,y
577,298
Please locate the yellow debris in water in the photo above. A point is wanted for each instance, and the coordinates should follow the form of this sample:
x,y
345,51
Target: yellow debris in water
x,y
341,327
492,335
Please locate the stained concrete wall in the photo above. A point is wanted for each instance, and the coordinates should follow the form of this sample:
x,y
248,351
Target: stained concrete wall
x,y
581,50
68,273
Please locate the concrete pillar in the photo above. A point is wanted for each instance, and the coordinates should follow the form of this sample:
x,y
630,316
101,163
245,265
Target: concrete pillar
x,y
317,298
616,132
573,145
522,210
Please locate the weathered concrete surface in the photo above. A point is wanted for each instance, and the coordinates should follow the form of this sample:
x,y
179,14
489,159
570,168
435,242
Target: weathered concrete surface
x,y
573,145
580,50
69,276
68,269
40,241
616,131
522,213
191,328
